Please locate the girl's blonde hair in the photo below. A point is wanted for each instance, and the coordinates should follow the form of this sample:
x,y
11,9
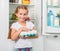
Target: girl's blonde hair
x,y
20,7
9,34
16,11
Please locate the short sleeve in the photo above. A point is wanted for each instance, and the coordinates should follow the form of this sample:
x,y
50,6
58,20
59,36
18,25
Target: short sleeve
x,y
30,25
15,26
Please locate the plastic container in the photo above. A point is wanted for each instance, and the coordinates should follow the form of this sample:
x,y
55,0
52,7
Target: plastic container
x,y
56,21
25,2
50,18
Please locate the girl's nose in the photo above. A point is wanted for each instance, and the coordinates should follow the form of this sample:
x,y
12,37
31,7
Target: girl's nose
x,y
22,15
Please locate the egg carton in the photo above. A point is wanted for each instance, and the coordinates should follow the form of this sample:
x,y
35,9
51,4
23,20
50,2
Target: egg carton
x,y
29,33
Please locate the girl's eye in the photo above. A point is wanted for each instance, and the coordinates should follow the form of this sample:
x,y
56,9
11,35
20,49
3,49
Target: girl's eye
x,y
25,14
20,13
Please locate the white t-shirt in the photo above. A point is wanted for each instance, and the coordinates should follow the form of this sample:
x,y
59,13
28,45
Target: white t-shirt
x,y
23,43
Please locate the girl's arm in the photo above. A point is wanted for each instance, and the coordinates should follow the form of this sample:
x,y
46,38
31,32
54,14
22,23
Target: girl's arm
x,y
15,33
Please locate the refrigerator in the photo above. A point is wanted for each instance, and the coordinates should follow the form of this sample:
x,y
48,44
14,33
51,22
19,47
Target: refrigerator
x,y
6,9
51,25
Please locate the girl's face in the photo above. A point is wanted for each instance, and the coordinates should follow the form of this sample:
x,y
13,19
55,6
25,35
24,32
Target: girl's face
x,y
22,14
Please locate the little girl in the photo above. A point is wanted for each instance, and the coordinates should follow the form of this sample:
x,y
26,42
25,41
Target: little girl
x,y
22,44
